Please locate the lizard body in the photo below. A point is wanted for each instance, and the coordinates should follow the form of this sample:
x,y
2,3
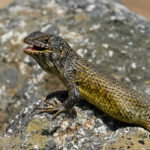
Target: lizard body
x,y
84,80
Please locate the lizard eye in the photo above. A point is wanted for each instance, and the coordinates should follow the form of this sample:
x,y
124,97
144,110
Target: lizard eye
x,y
45,41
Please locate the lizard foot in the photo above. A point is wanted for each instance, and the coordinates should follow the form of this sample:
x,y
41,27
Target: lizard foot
x,y
53,106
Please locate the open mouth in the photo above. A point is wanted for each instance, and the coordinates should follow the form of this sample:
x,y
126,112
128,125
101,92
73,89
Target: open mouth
x,y
33,48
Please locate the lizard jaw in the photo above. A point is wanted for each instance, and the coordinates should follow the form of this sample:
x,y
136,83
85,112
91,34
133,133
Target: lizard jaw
x,y
34,49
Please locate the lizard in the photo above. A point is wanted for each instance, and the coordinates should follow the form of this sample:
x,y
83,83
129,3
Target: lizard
x,y
84,80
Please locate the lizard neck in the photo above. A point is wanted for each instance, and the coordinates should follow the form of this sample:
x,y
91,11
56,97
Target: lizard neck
x,y
64,67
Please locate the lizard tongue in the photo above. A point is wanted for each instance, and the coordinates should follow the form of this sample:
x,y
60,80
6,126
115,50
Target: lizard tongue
x,y
34,48
31,48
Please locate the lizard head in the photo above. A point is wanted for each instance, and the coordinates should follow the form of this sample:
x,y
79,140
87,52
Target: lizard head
x,y
48,50
44,43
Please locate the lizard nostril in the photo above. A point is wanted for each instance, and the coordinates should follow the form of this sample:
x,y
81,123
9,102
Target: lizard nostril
x,y
25,40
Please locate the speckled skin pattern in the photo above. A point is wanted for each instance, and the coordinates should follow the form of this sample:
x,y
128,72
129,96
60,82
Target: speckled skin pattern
x,y
84,80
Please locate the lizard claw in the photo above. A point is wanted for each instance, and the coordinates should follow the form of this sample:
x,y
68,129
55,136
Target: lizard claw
x,y
53,106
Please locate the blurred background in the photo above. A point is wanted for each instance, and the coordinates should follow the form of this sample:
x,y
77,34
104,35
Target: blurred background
x,y
141,7
17,86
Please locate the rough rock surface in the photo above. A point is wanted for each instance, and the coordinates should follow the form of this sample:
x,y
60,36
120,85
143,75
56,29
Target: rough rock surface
x,y
103,31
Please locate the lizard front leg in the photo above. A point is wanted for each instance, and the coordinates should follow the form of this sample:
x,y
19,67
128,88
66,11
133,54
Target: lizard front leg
x,y
67,106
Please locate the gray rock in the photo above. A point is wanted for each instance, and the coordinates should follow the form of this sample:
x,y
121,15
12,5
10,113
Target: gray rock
x,y
106,33
9,77
50,145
